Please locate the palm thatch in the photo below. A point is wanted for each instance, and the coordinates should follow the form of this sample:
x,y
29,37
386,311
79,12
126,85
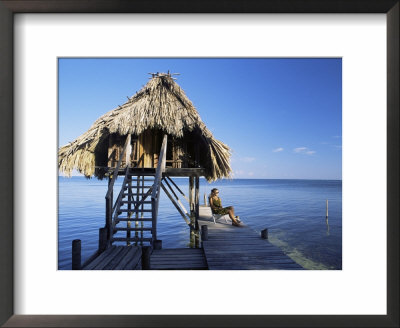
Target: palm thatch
x,y
161,104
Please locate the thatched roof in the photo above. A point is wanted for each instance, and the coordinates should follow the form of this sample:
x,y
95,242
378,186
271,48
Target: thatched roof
x,y
160,104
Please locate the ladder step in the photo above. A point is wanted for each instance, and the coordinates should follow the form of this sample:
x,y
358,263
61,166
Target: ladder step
x,y
138,187
133,211
140,194
131,239
132,229
133,219
135,202
140,180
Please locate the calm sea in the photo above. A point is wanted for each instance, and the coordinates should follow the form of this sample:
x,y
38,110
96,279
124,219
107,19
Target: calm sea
x,y
292,210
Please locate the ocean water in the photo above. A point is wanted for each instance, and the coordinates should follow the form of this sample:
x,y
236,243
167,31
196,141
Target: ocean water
x,y
294,211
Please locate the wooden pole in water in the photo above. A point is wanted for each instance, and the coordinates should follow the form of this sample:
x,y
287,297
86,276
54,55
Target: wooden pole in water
x,y
204,232
326,208
158,244
197,202
264,234
191,194
102,239
76,254
146,251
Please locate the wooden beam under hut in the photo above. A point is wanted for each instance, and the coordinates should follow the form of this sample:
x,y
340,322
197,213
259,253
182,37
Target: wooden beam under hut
x,y
176,198
175,185
176,205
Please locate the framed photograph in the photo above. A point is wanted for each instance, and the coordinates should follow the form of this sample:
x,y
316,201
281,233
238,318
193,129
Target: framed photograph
x,y
52,46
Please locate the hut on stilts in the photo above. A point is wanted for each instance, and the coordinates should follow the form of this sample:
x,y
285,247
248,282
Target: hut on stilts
x,y
155,136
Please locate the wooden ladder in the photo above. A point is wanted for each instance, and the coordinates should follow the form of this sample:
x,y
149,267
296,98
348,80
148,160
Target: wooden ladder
x,y
133,221
133,217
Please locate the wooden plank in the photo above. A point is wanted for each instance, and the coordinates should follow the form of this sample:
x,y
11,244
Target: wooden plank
x,y
178,259
130,251
97,260
108,258
133,252
117,258
184,172
134,219
122,210
132,229
131,239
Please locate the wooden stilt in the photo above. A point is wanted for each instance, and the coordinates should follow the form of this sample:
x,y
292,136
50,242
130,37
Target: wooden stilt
x,y
264,234
197,202
158,244
76,254
102,239
191,194
146,252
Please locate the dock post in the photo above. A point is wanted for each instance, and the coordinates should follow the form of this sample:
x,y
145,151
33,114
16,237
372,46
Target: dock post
x,y
146,252
327,208
191,194
264,234
102,239
197,202
204,232
76,254
158,244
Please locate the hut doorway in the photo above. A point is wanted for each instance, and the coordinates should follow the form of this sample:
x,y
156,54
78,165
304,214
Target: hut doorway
x,y
148,148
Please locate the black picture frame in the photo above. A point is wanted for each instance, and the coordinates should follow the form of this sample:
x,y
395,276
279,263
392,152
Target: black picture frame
x,y
10,7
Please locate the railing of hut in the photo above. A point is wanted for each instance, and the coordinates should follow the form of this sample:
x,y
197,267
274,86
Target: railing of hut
x,y
155,196
110,208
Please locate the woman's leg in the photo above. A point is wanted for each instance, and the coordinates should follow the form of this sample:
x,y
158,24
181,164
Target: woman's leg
x,y
231,212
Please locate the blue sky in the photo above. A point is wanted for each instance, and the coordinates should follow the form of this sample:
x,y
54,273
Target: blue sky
x,y
281,117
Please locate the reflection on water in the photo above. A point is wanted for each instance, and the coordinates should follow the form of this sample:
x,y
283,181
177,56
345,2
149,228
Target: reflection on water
x,y
327,226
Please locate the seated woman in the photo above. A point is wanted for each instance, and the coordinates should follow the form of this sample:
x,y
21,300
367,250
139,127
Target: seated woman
x,y
216,207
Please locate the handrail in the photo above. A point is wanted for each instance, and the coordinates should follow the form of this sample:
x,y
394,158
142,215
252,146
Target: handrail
x,y
115,174
160,168
155,195
122,189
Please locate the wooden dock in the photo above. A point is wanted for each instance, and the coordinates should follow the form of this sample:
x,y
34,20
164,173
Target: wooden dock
x,y
226,248
240,248
178,259
116,258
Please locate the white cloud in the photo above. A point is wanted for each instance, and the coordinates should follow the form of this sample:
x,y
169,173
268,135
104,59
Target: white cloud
x,y
300,149
277,150
304,150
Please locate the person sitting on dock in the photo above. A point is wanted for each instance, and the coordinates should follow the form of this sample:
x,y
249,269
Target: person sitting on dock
x,y
216,208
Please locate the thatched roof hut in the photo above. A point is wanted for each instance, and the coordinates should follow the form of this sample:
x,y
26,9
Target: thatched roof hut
x,y
161,106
